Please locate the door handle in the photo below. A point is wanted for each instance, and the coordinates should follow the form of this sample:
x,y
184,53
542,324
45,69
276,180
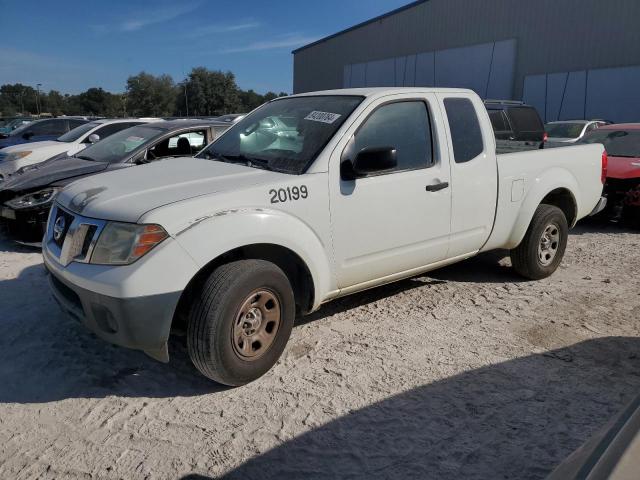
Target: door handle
x,y
437,187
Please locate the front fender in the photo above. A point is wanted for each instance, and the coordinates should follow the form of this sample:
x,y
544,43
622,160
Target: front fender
x,y
540,187
209,237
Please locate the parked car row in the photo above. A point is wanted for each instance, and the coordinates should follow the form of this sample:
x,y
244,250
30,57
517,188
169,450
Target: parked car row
x,y
306,199
39,130
27,197
518,127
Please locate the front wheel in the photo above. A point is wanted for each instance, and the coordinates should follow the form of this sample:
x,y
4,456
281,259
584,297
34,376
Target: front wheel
x,y
240,321
542,248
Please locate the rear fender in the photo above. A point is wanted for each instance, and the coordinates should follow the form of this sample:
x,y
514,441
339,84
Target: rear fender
x,y
552,179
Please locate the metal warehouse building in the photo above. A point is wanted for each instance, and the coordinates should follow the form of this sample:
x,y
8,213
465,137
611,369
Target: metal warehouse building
x,y
569,58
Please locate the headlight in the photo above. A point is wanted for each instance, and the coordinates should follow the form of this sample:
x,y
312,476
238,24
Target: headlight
x,y
16,155
124,243
35,199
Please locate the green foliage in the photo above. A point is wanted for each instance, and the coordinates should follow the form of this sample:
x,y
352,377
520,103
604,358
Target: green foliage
x,y
150,96
203,93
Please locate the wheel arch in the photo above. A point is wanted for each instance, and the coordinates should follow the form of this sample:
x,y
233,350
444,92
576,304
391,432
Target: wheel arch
x,y
557,187
286,259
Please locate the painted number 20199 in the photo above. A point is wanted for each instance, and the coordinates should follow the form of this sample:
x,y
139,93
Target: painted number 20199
x,y
288,194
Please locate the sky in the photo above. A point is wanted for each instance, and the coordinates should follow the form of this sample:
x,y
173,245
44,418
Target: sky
x,y
72,45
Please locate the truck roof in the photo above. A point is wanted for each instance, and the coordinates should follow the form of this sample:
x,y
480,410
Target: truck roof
x,y
378,91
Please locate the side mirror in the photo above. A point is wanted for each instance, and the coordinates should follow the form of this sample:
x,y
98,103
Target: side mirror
x,y
94,138
369,161
140,159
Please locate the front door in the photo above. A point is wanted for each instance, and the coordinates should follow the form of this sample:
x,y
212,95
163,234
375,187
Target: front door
x,y
397,220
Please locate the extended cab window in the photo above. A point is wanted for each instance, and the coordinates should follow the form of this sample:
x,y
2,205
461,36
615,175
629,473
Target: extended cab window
x,y
466,134
404,126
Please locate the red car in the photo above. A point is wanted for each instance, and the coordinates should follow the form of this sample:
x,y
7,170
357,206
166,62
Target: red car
x,y
622,188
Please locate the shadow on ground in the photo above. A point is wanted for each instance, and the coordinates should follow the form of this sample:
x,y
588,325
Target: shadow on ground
x,y
516,419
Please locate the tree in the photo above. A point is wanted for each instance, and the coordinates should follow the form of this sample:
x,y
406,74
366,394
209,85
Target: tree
x,y
209,93
53,102
151,96
17,98
250,100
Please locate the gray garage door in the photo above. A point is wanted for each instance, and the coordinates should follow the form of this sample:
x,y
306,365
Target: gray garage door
x,y
609,93
487,68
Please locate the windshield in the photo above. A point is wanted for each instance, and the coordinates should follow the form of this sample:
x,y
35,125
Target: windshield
x,y
617,143
564,130
117,147
284,135
76,133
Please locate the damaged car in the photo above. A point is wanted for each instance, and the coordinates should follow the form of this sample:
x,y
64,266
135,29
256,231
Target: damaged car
x,y
622,187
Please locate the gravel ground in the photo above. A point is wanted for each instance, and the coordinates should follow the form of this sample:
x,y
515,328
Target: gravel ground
x,y
468,372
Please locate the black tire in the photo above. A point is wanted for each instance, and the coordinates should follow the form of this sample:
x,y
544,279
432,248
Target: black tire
x,y
526,257
216,312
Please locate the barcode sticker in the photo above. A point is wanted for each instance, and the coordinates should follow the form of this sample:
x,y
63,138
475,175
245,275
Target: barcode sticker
x,y
324,117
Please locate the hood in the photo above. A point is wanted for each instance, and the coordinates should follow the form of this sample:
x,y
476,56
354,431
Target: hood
x,y
125,195
56,172
623,167
33,145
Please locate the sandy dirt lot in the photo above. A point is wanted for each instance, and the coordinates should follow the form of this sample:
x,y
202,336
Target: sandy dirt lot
x,y
468,372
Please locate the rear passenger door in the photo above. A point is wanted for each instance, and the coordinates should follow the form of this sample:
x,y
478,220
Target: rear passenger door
x,y
474,175
397,220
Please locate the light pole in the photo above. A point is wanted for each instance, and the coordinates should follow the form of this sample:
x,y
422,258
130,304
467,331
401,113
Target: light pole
x,y
38,85
22,92
186,100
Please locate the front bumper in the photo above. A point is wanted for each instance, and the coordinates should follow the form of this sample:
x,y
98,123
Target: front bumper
x,y
140,323
25,226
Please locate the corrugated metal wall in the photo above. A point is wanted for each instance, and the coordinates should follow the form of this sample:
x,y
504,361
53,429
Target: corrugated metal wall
x,y
552,36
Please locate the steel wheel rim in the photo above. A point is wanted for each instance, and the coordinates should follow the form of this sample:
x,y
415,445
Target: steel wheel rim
x,y
549,244
256,324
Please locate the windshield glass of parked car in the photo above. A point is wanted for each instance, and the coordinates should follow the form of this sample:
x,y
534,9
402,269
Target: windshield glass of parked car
x,y
617,143
76,133
564,130
21,129
285,135
117,147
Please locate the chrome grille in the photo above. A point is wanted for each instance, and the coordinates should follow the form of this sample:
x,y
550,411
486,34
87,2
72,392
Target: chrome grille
x,y
73,239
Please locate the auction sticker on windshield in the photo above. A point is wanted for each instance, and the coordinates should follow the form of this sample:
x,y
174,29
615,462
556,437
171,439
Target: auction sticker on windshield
x,y
324,117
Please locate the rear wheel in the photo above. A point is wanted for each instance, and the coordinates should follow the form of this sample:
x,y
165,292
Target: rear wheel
x,y
542,248
241,321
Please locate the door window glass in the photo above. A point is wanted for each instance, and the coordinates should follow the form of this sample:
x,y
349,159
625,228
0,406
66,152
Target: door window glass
x,y
404,126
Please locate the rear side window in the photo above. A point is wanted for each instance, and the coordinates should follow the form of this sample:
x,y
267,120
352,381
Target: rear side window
x,y
525,119
404,126
49,127
466,135
108,130
498,121
73,123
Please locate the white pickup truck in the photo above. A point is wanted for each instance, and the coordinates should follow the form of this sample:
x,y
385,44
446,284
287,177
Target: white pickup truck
x,y
308,198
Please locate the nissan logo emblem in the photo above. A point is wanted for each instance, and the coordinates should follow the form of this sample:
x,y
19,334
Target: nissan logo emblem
x,y
58,228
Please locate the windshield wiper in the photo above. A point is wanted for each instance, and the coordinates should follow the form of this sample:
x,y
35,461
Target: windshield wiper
x,y
244,160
